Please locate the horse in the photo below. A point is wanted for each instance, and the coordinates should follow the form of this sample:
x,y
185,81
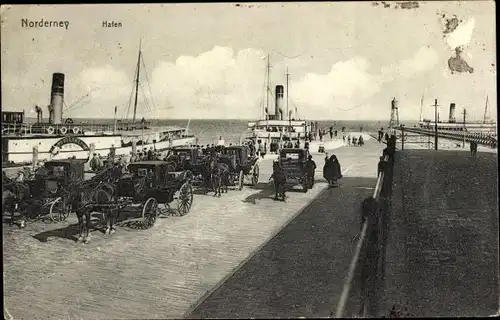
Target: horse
x,y
219,176
279,179
14,194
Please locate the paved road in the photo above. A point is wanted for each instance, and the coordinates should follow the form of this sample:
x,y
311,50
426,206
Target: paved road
x,y
161,272
301,271
442,253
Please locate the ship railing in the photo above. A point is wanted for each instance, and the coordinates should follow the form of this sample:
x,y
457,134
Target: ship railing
x,y
360,293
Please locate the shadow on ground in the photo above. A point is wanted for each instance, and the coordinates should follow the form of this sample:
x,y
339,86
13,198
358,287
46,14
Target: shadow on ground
x,y
300,271
128,217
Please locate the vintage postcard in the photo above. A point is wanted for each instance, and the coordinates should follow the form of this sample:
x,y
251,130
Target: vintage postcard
x,y
249,160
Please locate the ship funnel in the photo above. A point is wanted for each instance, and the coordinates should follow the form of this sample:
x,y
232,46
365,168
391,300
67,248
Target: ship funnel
x,y
279,101
452,113
56,98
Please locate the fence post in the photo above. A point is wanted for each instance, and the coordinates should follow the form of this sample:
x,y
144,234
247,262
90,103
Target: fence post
x,y
402,138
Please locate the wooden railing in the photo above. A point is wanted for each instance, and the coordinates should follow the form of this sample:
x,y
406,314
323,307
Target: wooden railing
x,y
358,294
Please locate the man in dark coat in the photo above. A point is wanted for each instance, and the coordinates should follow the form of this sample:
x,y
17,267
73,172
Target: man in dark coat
x,y
310,169
279,179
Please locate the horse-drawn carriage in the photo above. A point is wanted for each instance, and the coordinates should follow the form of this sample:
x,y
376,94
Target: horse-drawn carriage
x,y
293,164
241,165
148,184
45,195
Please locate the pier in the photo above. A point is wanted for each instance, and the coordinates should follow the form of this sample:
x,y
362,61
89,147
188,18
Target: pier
x,y
168,271
245,255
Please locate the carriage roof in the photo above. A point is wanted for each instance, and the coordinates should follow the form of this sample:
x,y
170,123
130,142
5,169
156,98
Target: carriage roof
x,y
148,163
294,150
74,169
183,148
65,162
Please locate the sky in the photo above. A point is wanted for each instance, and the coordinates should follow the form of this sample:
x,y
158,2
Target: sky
x,y
346,60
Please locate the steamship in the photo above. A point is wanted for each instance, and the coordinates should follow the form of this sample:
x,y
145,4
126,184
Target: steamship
x,y
279,125
60,138
486,128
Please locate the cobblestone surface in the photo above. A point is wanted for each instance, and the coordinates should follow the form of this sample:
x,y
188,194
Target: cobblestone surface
x,y
162,271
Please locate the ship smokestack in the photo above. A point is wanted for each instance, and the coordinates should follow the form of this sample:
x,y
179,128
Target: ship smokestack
x,y
279,101
57,98
452,113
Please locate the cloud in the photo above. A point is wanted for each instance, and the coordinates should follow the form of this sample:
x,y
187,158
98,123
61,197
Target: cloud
x,y
223,83
462,34
217,83
347,83
423,60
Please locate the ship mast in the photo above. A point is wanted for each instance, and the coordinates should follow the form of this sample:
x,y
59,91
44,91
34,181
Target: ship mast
x,y
287,74
267,86
137,81
421,107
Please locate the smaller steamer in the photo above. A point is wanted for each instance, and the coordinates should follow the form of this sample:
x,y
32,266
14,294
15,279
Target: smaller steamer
x,y
148,185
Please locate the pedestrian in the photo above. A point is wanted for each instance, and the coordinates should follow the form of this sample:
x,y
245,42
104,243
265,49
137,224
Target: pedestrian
x,y
94,163
150,154
361,141
112,151
349,140
311,168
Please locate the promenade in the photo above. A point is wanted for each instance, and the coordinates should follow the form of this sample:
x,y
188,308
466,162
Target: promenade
x,y
442,246
164,271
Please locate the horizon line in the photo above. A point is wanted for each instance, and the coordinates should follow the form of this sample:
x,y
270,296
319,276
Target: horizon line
x,y
235,119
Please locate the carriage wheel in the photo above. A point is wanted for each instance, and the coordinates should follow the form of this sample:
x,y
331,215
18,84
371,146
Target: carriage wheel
x,y
59,210
241,180
185,199
149,213
255,175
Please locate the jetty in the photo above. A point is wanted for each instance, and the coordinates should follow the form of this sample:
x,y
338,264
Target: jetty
x,y
415,235
165,271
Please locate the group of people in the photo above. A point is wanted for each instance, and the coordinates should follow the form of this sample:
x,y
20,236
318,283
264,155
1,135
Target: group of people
x,y
354,141
381,135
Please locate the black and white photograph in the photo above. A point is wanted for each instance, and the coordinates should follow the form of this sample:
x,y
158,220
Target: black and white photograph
x,y
243,160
